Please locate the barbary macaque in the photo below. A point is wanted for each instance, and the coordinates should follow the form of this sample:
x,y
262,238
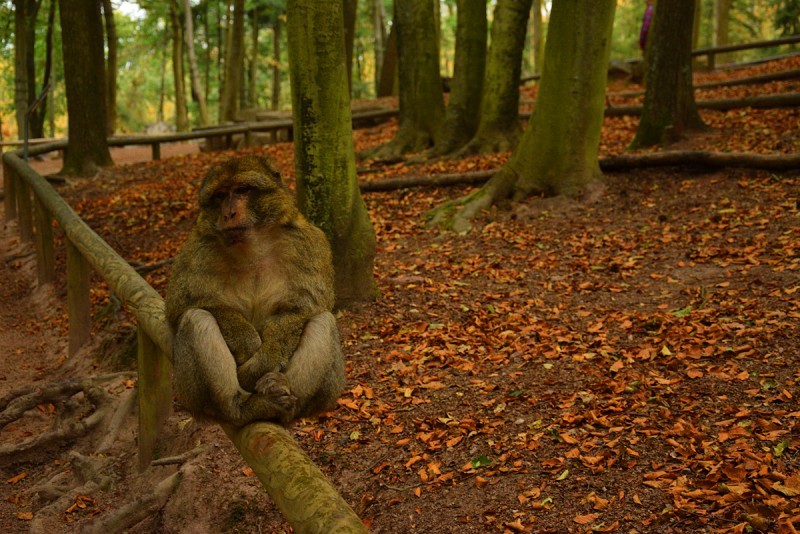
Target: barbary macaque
x,y
249,302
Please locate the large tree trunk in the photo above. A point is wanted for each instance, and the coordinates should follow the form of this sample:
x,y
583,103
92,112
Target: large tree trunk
x,y
461,115
111,68
85,80
327,191
24,72
557,154
669,106
499,126
181,112
197,90
234,59
420,85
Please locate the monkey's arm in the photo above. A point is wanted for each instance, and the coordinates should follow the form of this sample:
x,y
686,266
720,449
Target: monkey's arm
x,y
241,337
280,336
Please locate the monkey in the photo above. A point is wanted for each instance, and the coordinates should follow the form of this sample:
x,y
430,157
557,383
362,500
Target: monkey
x,y
250,302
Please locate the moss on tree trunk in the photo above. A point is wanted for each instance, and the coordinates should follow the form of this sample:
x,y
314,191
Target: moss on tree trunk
x,y
669,107
499,127
327,190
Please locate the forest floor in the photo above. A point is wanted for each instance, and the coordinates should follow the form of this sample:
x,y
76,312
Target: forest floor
x,y
626,365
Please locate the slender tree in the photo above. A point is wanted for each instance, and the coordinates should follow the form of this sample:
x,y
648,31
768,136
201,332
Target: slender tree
x,y
234,60
420,85
181,111
461,115
85,80
557,155
327,190
275,94
350,12
499,126
669,107
197,90
111,67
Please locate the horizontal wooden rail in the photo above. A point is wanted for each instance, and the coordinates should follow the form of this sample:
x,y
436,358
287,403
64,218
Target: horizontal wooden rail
x,y
298,488
43,146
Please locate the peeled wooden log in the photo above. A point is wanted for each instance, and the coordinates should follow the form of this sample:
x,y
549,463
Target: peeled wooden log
x,y
294,483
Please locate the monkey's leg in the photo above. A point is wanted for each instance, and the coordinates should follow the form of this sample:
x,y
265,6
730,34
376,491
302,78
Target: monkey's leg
x,y
205,376
316,369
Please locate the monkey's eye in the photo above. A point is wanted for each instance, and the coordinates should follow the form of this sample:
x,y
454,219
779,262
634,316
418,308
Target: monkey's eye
x,y
243,189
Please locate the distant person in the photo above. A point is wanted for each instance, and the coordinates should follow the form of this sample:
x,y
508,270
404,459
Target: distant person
x,y
646,20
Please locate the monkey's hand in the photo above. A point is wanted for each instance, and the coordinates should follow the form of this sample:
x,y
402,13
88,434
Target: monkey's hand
x,y
275,387
269,358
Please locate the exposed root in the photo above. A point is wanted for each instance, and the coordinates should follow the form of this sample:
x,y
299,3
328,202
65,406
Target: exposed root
x,y
181,458
125,407
69,424
138,509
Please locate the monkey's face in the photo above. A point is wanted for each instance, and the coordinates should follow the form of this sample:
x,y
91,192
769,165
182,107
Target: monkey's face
x,y
243,207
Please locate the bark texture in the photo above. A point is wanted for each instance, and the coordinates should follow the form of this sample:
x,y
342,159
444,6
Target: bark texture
x,y
420,85
181,113
327,191
463,108
669,107
85,80
499,127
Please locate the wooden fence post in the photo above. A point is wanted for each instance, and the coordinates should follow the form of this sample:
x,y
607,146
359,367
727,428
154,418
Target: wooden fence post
x,y
156,151
45,257
25,214
10,182
155,395
78,300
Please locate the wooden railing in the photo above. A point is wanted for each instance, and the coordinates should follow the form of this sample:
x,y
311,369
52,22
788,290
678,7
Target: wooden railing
x,y
713,51
298,488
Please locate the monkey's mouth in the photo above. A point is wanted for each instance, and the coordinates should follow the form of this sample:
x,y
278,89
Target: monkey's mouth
x,y
234,236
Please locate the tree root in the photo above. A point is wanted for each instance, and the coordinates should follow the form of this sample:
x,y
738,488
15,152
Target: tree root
x,y
138,509
125,407
65,428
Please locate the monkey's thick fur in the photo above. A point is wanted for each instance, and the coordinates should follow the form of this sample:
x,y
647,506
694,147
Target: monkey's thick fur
x,y
249,301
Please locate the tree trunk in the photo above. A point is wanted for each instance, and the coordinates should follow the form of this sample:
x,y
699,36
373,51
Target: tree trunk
x,y
252,90
45,107
24,71
350,11
379,33
84,77
276,63
557,154
722,11
388,82
197,90
461,115
537,37
181,113
111,68
327,191
234,59
421,99
499,127
669,107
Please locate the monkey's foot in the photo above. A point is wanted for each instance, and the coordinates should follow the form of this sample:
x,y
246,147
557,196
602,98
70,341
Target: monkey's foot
x,y
275,387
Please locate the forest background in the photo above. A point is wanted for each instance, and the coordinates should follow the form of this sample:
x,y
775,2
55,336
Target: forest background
x,y
145,57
